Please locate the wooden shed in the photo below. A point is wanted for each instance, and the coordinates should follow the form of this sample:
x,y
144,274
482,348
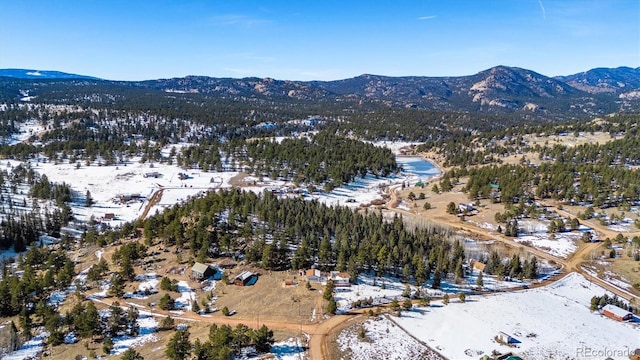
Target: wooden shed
x,y
477,265
244,278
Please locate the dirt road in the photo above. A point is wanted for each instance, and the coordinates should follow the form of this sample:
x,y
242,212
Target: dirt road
x,y
571,264
153,200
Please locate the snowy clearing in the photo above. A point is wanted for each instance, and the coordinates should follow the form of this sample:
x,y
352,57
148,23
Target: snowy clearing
x,y
382,340
561,244
382,290
290,349
148,326
187,295
107,183
549,322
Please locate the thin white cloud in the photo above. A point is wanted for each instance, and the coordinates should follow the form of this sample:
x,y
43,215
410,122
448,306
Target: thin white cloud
x,y
241,71
544,12
239,20
427,17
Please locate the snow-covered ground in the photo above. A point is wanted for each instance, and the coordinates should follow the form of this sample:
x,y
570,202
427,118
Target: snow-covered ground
x,y
560,244
382,340
613,279
290,349
365,190
29,350
187,296
549,322
361,191
382,290
148,326
25,130
107,183
626,225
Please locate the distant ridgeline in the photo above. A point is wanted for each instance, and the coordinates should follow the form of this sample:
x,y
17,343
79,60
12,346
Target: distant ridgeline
x,y
367,106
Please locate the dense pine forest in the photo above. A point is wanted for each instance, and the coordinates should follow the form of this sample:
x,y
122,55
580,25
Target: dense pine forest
x,y
284,234
320,159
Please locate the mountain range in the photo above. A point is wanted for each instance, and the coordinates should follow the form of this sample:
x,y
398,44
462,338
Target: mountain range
x,y
41,74
500,89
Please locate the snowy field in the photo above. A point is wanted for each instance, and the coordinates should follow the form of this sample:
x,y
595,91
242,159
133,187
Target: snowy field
x,y
290,349
360,191
624,226
552,322
107,183
383,340
382,290
560,244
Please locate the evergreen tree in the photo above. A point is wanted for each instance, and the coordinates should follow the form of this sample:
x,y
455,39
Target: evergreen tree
x,y
167,323
332,307
531,270
479,280
116,287
179,346
88,199
90,324
131,354
395,305
263,339
328,290
451,208
166,302
437,278
107,345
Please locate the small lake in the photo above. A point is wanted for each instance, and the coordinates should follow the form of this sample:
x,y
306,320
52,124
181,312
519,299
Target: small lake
x,y
424,169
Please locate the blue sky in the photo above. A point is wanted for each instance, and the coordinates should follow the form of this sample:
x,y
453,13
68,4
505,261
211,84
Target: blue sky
x,y
316,40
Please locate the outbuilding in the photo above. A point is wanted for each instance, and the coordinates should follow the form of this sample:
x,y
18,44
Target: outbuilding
x,y
245,278
616,313
506,338
477,265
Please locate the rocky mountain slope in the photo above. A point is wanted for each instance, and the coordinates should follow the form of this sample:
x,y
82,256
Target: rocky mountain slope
x,y
499,90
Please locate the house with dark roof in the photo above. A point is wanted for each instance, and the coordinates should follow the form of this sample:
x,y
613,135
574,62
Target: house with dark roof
x,y
201,271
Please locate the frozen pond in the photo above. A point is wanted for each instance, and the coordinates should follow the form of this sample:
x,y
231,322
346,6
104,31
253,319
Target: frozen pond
x,y
424,169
